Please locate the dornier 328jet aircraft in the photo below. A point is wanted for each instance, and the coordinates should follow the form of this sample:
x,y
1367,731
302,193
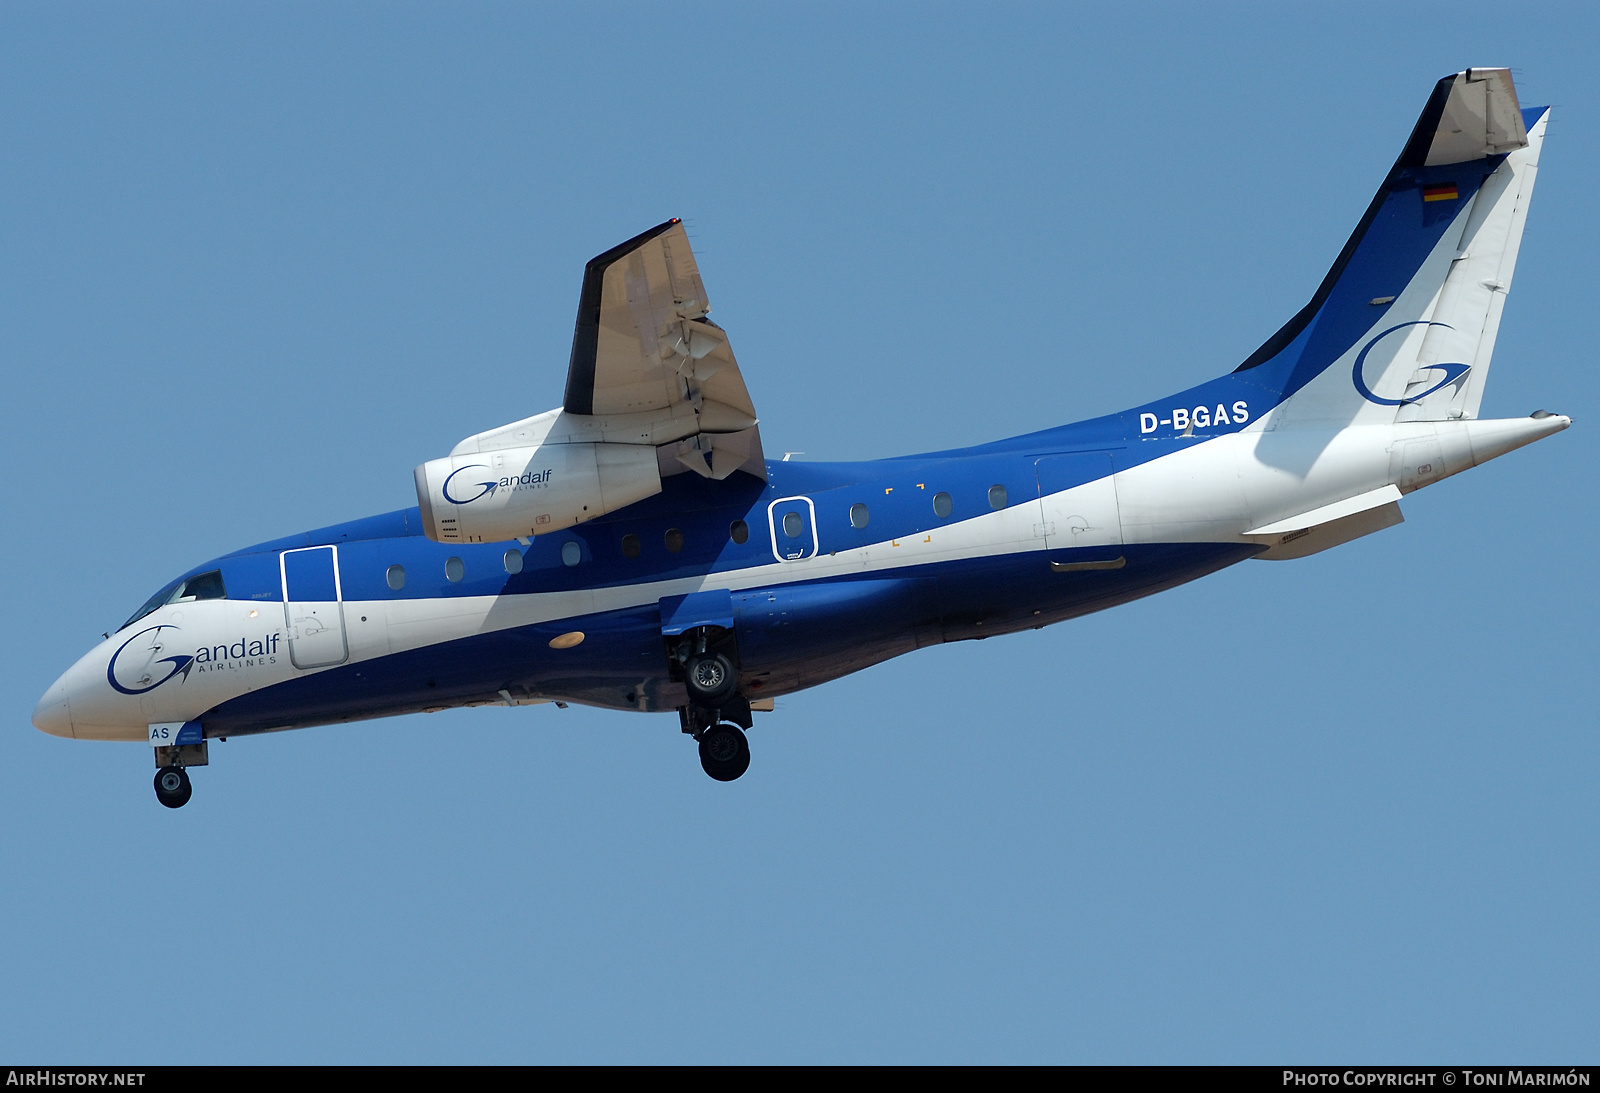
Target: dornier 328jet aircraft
x,y
634,549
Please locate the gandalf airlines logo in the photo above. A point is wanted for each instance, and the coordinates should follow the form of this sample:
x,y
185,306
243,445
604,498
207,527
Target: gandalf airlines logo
x,y
1454,373
156,669
526,480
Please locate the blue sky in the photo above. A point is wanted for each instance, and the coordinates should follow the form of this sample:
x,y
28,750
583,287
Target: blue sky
x,y
256,263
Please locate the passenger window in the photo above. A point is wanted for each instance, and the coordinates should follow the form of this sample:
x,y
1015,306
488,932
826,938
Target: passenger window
x,y
631,546
454,570
571,553
859,515
513,560
674,540
739,531
396,576
792,525
997,497
942,505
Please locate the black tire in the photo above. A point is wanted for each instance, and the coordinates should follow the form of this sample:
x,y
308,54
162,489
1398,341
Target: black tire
x,y
724,752
710,678
172,787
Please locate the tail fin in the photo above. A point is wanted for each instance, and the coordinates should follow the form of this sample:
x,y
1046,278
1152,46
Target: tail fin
x,y
1403,326
1466,312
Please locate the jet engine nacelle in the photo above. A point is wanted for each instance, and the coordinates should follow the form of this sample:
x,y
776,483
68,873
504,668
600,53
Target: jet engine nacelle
x,y
520,492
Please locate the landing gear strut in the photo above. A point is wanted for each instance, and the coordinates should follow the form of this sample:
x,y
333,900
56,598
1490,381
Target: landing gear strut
x,y
172,787
724,752
706,660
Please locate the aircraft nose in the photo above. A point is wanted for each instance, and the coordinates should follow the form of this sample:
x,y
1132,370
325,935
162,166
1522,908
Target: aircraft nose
x,y
53,714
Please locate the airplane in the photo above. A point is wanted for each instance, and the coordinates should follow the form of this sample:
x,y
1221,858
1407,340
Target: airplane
x,y
633,549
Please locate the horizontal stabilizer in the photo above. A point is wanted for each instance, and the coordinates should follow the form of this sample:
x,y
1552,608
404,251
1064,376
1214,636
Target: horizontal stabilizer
x,y
1314,540
1383,495
1472,115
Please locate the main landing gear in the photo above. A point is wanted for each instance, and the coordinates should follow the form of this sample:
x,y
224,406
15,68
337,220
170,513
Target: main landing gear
x,y
710,677
717,713
724,752
172,787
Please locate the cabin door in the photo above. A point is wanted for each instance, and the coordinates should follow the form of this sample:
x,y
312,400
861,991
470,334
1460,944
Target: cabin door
x,y
1078,505
312,611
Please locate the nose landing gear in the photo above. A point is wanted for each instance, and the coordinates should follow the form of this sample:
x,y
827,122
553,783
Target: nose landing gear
x,y
172,774
172,787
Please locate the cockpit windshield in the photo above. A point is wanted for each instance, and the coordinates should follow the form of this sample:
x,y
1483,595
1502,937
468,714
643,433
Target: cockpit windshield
x,y
202,586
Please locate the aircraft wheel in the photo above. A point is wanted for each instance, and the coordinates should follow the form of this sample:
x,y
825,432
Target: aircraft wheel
x,y
172,787
710,677
724,752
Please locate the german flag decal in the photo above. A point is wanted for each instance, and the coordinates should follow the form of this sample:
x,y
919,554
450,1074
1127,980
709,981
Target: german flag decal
x,y
1445,192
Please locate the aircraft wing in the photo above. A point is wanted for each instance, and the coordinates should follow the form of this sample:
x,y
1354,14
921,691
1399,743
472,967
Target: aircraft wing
x,y
643,345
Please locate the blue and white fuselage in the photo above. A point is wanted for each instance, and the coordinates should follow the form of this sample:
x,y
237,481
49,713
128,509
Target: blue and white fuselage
x,y
803,572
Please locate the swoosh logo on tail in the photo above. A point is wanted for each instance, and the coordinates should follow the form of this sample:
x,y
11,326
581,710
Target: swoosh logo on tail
x,y
1453,372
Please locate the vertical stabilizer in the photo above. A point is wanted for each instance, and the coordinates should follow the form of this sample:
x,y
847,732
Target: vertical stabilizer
x,y
1465,317
1403,326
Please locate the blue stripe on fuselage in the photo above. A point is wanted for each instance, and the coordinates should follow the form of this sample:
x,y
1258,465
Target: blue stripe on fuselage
x,y
790,637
